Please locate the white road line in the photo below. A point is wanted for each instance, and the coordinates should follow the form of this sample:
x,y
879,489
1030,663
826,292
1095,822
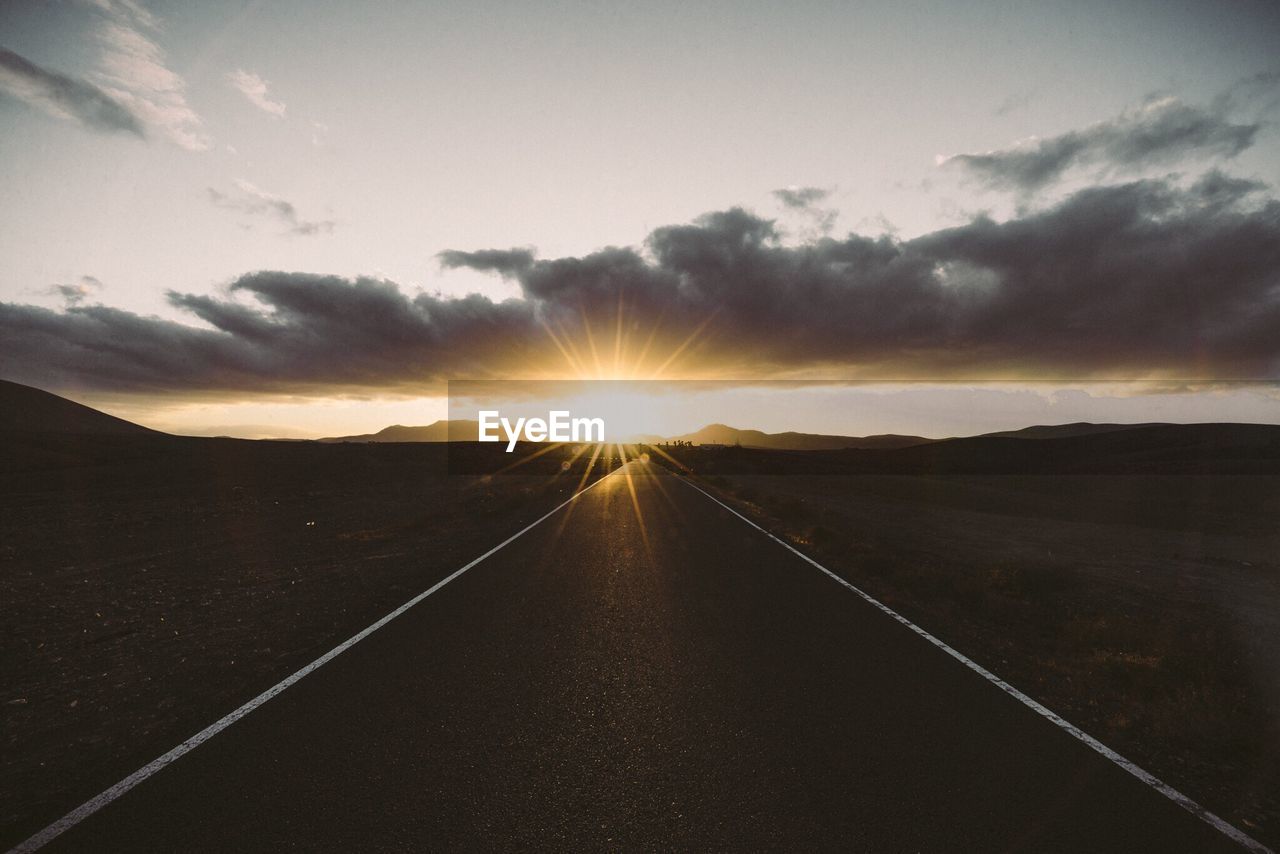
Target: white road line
x,y
1230,830
91,806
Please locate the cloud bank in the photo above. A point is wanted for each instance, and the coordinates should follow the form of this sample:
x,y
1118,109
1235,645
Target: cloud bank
x,y
1148,279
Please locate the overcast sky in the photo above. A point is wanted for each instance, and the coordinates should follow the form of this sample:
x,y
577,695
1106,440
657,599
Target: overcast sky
x,y
302,217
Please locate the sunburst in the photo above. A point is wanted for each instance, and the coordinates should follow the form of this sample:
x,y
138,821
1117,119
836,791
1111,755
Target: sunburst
x,y
588,356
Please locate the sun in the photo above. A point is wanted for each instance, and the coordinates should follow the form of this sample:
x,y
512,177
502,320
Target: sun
x,y
617,349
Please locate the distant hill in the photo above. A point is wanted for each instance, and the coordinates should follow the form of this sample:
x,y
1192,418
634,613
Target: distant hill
x,y
713,434
44,431
722,434
24,409
440,431
1151,449
1171,448
1064,431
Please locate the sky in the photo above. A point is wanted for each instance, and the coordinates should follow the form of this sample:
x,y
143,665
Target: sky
x,y
303,218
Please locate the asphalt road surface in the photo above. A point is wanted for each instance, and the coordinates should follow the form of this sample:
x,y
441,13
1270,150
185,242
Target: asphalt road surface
x,y
643,670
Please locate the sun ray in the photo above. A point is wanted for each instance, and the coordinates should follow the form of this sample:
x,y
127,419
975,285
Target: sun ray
x,y
595,455
591,343
617,342
635,501
644,351
573,363
568,464
665,455
586,474
683,346
657,482
530,457
579,360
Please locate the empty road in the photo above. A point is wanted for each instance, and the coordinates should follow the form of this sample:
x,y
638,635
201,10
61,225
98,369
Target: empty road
x,y
643,670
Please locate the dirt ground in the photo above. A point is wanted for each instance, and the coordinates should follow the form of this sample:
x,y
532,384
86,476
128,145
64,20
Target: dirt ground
x,y
147,589
1144,608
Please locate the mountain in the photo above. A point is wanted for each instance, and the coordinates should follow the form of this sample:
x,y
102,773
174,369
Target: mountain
x,y
722,434
440,431
24,409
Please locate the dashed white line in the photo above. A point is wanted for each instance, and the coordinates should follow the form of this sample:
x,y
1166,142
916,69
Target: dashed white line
x,y
96,803
1231,831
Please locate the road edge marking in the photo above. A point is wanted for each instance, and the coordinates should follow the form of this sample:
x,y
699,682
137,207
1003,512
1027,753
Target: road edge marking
x,y
91,806
1221,825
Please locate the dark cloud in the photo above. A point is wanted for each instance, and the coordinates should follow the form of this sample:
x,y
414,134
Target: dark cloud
x,y
248,199
1158,132
297,334
805,201
800,198
1259,93
1145,280
65,97
1013,103
507,262
76,293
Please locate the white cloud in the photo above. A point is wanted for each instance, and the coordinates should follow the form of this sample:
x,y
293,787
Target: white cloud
x,y
65,97
133,70
254,88
250,199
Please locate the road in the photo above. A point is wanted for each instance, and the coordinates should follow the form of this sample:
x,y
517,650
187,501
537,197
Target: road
x,y
643,669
